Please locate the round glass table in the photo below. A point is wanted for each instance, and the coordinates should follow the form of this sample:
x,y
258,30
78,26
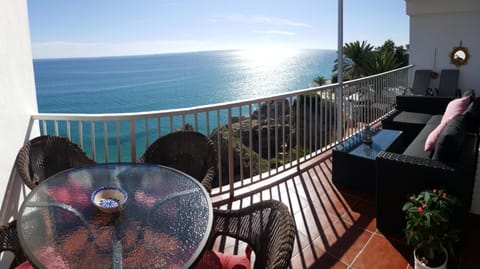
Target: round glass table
x,y
165,222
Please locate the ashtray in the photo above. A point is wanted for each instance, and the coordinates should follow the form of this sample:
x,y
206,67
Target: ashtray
x,y
109,199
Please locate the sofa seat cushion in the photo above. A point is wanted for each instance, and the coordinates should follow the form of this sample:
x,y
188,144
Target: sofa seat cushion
x,y
412,117
416,148
450,140
435,120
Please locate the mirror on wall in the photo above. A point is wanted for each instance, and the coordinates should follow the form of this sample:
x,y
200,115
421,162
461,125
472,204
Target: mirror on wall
x,y
459,55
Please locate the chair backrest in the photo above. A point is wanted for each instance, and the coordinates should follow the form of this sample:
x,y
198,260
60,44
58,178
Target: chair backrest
x,y
9,242
189,152
45,156
448,83
267,226
421,81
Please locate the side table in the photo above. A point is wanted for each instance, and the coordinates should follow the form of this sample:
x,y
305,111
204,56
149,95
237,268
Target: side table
x,y
354,161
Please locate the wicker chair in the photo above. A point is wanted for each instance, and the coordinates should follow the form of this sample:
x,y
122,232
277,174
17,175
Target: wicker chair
x,y
9,242
189,152
44,156
267,226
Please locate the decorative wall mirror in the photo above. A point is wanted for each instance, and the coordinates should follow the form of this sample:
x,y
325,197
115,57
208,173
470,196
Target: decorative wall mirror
x,y
459,55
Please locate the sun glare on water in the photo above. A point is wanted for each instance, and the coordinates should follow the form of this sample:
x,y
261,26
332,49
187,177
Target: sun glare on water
x,y
267,56
262,72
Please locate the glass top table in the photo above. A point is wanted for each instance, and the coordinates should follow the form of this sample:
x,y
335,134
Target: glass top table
x,y
381,140
353,161
165,223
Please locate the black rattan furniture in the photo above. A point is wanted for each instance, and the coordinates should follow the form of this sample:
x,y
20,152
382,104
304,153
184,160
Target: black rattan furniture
x,y
189,152
354,161
451,165
267,226
9,242
45,156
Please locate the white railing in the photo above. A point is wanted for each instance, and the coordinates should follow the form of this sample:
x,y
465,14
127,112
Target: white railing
x,y
255,139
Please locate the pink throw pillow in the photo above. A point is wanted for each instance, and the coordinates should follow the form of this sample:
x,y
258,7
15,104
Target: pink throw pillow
x,y
433,136
217,260
25,265
454,108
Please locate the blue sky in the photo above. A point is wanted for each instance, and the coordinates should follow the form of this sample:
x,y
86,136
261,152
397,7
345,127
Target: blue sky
x,y
91,28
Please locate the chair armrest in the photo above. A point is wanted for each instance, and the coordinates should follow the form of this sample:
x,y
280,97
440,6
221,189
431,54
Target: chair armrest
x,y
267,226
207,180
423,104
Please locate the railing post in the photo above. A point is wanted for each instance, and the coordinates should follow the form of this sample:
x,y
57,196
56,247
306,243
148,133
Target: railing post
x,y
231,180
338,90
133,143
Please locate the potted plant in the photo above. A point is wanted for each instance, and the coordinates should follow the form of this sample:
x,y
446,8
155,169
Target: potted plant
x,y
429,228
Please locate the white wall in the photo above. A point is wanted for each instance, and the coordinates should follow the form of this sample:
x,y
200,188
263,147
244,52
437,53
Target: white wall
x,y
17,96
441,25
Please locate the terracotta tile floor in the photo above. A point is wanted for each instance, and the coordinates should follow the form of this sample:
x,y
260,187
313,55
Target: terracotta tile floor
x,y
336,228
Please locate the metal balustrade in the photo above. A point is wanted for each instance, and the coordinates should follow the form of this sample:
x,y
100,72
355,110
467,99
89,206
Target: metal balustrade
x,y
256,139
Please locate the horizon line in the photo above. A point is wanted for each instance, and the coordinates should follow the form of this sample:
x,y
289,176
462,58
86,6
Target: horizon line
x,y
164,53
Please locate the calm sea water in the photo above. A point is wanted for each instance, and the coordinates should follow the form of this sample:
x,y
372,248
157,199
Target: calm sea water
x,y
166,81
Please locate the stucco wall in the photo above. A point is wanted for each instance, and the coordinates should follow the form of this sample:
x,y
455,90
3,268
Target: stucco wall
x,y
17,95
440,25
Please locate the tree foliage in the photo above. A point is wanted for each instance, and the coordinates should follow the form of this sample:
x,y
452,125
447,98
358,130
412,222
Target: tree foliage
x,y
361,59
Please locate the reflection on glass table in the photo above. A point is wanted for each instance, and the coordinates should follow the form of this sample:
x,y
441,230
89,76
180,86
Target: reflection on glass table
x,y
165,222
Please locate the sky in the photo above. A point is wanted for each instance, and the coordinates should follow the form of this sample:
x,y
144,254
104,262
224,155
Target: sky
x,y
95,28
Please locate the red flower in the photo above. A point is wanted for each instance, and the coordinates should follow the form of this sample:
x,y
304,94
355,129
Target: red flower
x,y
444,195
424,205
434,190
412,198
420,210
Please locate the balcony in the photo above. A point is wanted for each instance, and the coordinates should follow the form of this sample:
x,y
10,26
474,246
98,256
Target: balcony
x,y
278,147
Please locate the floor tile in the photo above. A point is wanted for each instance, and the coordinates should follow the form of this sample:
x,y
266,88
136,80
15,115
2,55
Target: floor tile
x,y
343,241
379,253
336,227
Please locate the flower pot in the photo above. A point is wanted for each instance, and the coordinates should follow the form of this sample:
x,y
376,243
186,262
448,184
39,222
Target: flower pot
x,y
420,265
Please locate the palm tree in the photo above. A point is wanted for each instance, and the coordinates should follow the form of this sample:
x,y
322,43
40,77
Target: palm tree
x,y
320,80
399,52
355,56
379,62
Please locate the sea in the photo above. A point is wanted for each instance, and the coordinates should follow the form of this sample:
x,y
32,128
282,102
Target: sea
x,y
176,80
166,81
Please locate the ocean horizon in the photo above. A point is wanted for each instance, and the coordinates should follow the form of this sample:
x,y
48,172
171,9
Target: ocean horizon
x,y
117,84
166,81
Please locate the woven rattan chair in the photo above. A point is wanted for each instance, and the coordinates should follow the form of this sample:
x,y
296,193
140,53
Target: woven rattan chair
x,y
9,242
189,152
267,226
45,156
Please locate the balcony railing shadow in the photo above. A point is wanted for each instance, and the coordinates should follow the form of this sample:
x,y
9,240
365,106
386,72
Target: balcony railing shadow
x,y
333,224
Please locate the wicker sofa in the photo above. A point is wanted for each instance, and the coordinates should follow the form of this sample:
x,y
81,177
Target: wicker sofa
x,y
451,165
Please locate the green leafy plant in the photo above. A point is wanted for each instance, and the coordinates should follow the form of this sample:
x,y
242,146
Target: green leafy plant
x,y
429,225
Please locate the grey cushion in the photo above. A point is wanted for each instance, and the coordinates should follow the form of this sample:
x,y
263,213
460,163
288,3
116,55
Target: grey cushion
x,y
435,120
416,148
450,141
470,93
472,115
412,117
